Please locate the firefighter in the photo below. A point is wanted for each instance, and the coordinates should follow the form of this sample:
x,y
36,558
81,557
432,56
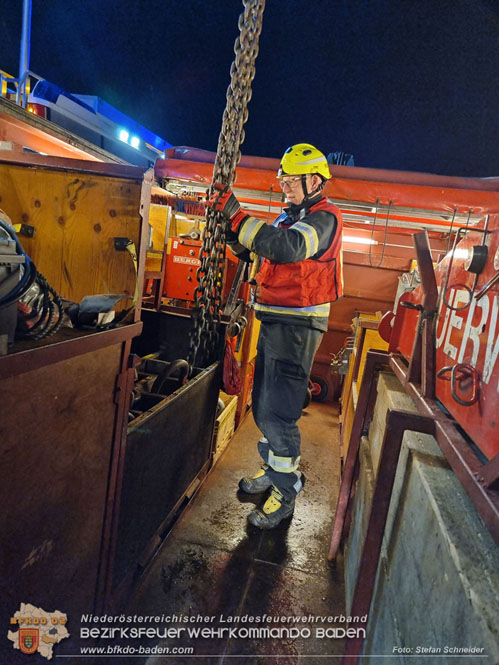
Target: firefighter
x,y
299,276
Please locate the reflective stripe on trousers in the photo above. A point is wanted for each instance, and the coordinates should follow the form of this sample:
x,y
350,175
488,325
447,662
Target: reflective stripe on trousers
x,y
285,354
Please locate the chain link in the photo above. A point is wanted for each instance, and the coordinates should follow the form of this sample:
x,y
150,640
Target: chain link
x,y
205,335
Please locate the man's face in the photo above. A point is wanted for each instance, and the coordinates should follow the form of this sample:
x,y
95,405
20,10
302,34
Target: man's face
x,y
292,187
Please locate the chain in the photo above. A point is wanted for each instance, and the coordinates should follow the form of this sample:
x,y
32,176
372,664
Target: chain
x,y
204,338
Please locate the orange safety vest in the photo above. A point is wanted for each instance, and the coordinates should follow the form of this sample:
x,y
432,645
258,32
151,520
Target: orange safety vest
x,y
305,283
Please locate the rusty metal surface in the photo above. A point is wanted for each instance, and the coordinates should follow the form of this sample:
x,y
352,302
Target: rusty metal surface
x,y
123,390
28,356
422,359
56,431
489,474
428,315
476,416
466,334
166,448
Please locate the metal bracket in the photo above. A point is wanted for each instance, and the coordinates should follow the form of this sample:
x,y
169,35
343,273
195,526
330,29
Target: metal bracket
x,y
422,362
27,230
120,244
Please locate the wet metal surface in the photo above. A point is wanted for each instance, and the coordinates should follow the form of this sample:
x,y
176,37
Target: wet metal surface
x,y
215,572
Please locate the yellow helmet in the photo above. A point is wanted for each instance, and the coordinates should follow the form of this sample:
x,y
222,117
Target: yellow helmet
x,y
303,158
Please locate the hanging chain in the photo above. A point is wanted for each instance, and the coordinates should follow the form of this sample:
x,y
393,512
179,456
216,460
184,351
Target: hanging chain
x,y
204,338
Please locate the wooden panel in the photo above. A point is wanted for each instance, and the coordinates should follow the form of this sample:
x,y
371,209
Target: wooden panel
x,y
183,224
347,413
372,341
253,331
366,338
76,215
158,219
56,434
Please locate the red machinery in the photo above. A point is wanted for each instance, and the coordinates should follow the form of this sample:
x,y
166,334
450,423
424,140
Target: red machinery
x,y
467,332
182,263
443,349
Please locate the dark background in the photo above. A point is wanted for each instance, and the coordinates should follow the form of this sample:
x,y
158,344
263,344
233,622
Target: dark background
x,y
400,84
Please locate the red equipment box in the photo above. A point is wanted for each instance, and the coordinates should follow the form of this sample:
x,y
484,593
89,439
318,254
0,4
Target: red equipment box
x,y
182,263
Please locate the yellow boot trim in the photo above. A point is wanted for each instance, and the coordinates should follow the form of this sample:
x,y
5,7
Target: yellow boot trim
x,y
273,503
259,473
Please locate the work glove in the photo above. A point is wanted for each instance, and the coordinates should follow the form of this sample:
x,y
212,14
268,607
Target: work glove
x,y
238,250
223,200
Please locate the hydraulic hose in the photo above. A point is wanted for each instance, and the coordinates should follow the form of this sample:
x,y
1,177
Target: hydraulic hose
x,y
49,318
29,271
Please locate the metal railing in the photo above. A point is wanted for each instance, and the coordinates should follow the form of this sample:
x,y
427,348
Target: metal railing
x,y
16,89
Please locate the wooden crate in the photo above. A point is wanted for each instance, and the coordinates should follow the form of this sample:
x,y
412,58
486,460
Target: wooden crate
x,y
71,214
224,425
159,220
366,338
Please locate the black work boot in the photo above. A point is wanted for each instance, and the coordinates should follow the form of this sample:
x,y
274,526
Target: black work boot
x,y
275,509
257,483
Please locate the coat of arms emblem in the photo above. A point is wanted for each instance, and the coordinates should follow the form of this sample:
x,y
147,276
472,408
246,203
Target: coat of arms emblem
x,y
28,639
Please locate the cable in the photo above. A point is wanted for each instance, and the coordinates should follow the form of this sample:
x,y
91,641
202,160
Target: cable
x,y
450,230
47,310
48,316
28,269
443,292
384,239
270,202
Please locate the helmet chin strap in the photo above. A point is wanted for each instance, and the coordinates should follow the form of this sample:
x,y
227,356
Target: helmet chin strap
x,y
304,185
307,194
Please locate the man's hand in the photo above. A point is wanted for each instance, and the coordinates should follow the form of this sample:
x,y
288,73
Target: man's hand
x,y
223,200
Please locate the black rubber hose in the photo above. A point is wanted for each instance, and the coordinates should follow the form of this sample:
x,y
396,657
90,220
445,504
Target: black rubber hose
x,y
29,274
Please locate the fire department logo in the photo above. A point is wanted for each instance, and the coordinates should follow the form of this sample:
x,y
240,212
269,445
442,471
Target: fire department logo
x,y
29,639
37,631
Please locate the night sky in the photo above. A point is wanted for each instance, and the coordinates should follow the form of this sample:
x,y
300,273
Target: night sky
x,y
400,84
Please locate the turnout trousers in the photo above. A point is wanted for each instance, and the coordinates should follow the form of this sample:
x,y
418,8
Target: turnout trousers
x,y
285,354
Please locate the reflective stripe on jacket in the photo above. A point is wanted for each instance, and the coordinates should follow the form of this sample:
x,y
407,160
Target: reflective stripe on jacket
x,y
313,281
